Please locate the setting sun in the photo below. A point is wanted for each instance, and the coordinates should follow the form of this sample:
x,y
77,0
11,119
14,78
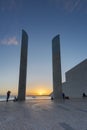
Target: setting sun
x,y
37,90
41,92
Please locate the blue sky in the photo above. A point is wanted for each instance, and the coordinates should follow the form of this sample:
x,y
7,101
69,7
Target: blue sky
x,y
42,20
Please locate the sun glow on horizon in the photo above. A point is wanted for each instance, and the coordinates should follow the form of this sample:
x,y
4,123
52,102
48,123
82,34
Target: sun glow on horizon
x,y
38,90
41,93
43,90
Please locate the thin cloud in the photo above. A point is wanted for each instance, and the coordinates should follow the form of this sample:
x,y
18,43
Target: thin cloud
x,y
71,5
9,41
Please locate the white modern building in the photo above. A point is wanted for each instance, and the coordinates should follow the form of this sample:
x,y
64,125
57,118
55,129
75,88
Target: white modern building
x,y
76,81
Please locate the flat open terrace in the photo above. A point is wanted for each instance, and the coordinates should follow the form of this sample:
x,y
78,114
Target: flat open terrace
x,y
44,115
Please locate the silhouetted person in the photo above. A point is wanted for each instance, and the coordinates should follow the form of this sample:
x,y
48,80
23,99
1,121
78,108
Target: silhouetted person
x,y
52,98
63,95
84,95
15,99
66,97
8,95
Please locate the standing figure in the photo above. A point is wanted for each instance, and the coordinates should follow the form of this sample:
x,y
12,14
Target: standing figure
x,y
8,95
63,95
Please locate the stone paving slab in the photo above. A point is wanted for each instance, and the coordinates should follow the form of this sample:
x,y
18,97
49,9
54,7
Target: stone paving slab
x,y
44,115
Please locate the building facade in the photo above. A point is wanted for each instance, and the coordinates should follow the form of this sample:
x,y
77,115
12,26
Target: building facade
x,y
76,81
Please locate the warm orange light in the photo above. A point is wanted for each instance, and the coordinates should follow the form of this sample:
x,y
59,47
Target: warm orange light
x,y
39,90
42,92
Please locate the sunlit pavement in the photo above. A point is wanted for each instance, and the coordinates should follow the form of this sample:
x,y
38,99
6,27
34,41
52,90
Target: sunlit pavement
x,y
44,115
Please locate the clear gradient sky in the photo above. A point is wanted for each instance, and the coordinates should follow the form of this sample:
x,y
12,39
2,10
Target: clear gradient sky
x,y
42,20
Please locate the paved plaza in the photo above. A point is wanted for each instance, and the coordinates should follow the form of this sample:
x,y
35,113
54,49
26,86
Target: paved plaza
x,y
44,115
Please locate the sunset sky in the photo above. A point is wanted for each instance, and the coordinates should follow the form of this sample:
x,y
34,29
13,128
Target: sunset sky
x,y
42,20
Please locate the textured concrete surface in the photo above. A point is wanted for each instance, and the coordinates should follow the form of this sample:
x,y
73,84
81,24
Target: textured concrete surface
x,y
44,115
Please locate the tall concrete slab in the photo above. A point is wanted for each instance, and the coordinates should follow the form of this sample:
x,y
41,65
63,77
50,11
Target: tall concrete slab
x,y
56,60
23,67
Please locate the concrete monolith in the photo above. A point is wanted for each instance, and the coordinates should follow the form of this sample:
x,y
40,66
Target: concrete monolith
x,y
56,60
23,67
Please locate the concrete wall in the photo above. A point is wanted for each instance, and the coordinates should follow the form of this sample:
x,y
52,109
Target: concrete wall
x,y
76,80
